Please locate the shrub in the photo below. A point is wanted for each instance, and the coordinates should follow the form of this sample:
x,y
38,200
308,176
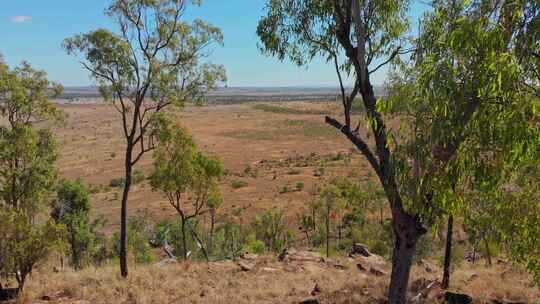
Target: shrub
x,y
284,189
294,172
139,234
23,244
72,208
271,229
300,186
237,184
117,182
254,245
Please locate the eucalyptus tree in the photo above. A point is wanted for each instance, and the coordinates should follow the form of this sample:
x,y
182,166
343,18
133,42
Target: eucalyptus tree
x,y
27,171
154,61
463,85
187,177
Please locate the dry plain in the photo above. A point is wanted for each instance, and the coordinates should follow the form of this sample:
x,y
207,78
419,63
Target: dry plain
x,y
267,146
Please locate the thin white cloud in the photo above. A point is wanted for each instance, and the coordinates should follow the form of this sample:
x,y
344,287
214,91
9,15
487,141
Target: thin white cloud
x,y
21,19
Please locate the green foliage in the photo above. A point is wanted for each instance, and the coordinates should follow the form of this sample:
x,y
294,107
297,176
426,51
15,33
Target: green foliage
x,y
139,235
254,245
72,209
25,94
179,168
230,239
27,172
300,186
284,189
300,30
271,229
30,181
237,184
138,177
23,244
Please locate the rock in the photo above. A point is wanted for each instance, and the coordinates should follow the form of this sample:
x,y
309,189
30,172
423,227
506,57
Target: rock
x,y
245,266
360,267
316,290
428,267
310,301
360,249
269,269
46,298
377,272
373,260
166,262
292,255
496,298
428,291
472,277
457,298
249,256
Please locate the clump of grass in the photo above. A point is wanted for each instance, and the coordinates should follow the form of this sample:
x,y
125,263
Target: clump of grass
x,y
300,186
284,189
293,172
287,110
249,171
237,184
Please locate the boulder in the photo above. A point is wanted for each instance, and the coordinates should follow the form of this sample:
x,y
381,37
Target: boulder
x,y
245,266
249,256
316,290
377,272
292,255
360,249
457,298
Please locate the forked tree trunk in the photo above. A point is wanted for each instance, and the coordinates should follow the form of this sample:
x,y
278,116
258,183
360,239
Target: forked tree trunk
x,y
123,213
448,253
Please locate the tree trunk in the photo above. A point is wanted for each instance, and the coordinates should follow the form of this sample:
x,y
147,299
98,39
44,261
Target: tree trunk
x,y
124,211
328,231
407,231
488,253
212,227
448,253
184,242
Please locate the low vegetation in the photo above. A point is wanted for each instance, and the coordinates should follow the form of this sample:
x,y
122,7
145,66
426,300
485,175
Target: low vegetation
x,y
279,109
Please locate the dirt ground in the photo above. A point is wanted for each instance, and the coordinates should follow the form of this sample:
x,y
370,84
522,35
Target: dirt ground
x,y
241,135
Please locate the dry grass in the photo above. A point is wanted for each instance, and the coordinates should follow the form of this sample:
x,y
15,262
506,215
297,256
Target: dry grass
x,y
269,281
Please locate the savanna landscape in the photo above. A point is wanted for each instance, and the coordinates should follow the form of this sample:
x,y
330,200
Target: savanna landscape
x,y
159,183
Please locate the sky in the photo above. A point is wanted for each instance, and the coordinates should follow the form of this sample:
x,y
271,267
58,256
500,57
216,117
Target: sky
x,y
33,30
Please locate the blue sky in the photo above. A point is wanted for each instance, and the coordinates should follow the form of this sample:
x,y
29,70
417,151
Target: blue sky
x,y
33,30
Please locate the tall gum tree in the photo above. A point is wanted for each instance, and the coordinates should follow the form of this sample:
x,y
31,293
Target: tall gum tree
x,y
152,63
461,90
